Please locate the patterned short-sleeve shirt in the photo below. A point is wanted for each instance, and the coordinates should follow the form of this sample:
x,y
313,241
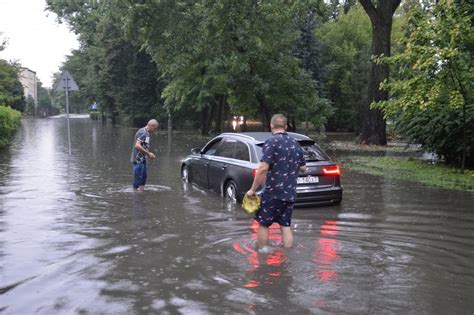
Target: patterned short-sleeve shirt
x,y
144,136
284,155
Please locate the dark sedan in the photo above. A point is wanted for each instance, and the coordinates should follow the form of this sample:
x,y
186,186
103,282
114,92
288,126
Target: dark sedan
x,y
227,165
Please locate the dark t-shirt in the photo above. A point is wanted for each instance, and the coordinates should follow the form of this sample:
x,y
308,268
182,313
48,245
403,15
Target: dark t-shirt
x,y
144,136
285,156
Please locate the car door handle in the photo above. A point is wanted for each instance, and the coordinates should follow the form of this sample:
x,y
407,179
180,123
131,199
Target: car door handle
x,y
223,167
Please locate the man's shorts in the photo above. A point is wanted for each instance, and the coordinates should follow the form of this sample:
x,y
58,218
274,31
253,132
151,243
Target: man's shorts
x,y
139,174
274,210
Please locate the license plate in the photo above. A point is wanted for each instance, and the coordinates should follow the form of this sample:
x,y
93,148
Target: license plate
x,y
308,180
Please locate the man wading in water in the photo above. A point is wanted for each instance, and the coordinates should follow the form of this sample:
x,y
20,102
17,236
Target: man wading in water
x,y
282,159
141,153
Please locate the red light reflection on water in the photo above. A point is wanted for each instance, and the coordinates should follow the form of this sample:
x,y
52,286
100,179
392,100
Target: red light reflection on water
x,y
325,252
274,259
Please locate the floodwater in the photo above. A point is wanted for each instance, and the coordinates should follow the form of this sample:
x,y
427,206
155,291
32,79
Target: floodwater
x,y
75,238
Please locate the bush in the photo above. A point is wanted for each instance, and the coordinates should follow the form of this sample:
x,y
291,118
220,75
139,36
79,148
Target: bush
x,y
440,131
9,121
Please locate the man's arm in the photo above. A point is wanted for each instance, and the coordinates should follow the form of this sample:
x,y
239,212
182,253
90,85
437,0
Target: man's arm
x,y
262,170
303,169
302,162
138,146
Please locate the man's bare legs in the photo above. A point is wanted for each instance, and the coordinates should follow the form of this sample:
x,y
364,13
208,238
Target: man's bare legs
x,y
262,236
287,236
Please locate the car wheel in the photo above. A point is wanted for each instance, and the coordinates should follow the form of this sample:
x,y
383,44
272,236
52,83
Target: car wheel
x,y
231,191
185,173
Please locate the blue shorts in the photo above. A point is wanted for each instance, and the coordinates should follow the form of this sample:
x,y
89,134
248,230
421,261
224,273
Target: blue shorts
x,y
274,210
139,174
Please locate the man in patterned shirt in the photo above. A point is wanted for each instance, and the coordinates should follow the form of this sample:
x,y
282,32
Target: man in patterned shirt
x,y
141,153
281,161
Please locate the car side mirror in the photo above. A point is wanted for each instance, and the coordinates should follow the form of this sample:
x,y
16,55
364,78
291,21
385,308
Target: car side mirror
x,y
196,151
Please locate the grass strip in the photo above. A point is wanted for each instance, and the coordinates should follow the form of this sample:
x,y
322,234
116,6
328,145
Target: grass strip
x,y
411,169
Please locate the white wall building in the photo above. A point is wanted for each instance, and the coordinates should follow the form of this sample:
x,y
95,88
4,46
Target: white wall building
x,y
30,83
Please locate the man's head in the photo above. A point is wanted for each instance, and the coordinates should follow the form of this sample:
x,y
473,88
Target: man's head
x,y
152,125
278,123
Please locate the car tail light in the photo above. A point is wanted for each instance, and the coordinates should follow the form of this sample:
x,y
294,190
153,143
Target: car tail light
x,y
332,170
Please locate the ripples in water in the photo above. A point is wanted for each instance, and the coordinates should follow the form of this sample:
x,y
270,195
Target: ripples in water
x,y
76,238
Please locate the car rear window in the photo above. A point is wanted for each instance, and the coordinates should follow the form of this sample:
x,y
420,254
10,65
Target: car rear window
x,y
312,152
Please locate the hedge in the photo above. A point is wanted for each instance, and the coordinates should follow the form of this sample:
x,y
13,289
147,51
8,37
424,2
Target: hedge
x,y
9,121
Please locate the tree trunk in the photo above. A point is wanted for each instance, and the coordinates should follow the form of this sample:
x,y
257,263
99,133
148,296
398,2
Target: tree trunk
x,y
306,123
291,124
243,127
381,17
212,113
264,112
205,121
220,114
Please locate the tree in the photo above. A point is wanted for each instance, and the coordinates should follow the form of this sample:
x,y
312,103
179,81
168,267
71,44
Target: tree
x,y
11,89
381,17
45,105
215,53
110,67
433,95
346,59
210,58
309,47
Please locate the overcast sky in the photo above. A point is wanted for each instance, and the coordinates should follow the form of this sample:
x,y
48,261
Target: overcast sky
x,y
35,39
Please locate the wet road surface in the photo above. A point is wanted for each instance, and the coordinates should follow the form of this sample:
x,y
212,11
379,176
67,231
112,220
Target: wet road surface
x,y
75,238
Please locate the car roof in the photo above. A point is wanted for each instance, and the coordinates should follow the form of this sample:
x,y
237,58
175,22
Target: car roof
x,y
263,136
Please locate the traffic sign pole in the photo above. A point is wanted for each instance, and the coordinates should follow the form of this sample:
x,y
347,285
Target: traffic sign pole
x,y
67,83
67,115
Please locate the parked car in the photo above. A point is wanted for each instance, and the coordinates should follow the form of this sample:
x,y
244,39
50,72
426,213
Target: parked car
x,y
227,165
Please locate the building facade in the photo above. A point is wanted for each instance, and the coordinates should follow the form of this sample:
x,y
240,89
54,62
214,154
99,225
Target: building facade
x,y
30,84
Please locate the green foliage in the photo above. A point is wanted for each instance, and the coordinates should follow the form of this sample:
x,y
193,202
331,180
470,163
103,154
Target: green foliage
x,y
241,51
347,56
110,67
439,129
45,104
337,7
30,105
413,170
11,90
432,95
9,121
309,48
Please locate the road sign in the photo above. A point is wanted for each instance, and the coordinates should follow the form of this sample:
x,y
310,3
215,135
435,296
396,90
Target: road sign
x,y
66,82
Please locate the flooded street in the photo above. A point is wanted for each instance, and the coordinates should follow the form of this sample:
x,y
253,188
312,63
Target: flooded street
x,y
76,239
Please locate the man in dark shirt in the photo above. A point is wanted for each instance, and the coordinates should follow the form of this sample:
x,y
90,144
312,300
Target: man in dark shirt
x,y
141,153
281,161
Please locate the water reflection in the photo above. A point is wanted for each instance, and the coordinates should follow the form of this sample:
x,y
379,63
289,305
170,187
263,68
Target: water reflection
x,y
273,259
325,254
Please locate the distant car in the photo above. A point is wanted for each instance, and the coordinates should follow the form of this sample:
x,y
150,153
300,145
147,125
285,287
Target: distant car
x,y
227,165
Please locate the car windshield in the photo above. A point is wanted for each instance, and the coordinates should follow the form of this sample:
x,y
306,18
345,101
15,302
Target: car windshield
x,y
312,152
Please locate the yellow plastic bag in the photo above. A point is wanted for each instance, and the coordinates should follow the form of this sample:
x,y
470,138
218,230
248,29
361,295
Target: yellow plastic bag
x,y
251,204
